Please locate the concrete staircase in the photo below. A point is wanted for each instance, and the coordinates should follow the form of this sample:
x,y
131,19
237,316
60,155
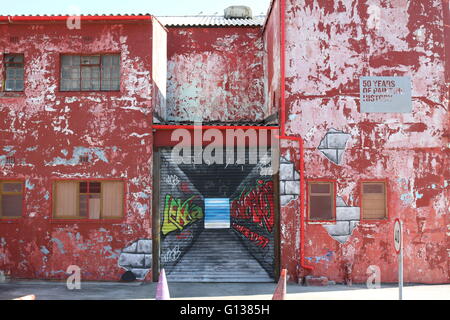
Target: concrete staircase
x,y
218,256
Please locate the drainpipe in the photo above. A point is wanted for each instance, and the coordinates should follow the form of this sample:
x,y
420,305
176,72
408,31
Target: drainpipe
x,y
301,163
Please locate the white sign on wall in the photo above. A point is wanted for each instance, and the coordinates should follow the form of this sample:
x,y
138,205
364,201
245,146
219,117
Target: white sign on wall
x,y
385,94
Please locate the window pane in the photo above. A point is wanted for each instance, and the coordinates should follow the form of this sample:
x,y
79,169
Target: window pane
x,y
11,205
83,205
18,85
69,60
321,207
83,187
12,187
90,60
66,199
10,85
111,72
94,206
320,187
112,201
374,201
94,187
373,188
90,78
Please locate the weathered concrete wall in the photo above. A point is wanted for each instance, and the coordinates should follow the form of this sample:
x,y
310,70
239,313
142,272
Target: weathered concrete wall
x,y
215,74
272,56
330,45
47,130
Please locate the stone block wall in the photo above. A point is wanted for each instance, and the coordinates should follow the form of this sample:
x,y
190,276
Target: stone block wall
x,y
289,182
137,258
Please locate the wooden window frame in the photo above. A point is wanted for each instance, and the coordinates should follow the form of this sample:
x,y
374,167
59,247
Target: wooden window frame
x,y
5,72
386,200
22,192
101,219
100,55
308,202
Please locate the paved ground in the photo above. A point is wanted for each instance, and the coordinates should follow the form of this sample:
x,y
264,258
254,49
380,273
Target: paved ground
x,y
48,290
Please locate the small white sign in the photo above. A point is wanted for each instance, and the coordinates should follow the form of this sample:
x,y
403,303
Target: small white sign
x,y
397,236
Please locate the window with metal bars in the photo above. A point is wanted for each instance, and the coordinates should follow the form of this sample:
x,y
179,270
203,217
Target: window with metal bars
x,y
88,199
11,199
90,73
14,72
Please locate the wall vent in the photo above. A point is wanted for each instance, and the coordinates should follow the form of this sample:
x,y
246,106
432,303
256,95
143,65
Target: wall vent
x,y
84,159
10,160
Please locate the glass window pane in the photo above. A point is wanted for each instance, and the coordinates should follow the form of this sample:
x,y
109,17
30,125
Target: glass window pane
x,y
12,187
373,188
94,187
90,60
10,72
19,85
70,60
83,209
9,85
11,205
320,187
66,199
321,208
94,206
83,187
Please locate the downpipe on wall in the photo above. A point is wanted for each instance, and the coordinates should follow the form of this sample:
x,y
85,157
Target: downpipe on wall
x,y
301,164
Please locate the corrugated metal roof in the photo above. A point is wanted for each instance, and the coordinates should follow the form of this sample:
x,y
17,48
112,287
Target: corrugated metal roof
x,y
211,21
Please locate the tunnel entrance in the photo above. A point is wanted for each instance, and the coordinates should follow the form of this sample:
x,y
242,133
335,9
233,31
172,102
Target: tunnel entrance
x,y
217,221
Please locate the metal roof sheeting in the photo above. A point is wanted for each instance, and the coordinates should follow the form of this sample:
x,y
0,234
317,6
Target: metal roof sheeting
x,y
210,21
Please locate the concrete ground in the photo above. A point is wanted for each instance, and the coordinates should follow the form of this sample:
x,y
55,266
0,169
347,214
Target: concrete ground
x,y
50,290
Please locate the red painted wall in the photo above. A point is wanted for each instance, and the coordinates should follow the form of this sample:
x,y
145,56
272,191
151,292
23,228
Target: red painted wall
x,y
46,130
272,50
330,44
215,74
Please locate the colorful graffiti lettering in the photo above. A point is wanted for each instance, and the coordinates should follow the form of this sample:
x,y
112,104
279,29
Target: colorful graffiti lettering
x,y
252,236
178,214
256,205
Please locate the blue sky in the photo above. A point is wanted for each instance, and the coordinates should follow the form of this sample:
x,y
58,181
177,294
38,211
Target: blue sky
x,y
155,7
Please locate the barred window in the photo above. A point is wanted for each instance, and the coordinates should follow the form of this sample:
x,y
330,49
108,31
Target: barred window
x,y
14,67
90,73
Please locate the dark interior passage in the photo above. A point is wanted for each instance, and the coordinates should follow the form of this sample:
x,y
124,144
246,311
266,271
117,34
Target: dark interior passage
x,y
243,251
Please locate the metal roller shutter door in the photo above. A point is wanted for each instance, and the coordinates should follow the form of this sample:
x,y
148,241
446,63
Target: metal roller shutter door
x,y
217,222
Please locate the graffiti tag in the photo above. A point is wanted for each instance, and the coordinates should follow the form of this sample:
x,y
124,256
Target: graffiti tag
x,y
259,240
256,205
172,180
171,254
178,214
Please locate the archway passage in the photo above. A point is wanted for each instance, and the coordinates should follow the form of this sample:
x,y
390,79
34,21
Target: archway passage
x,y
217,221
